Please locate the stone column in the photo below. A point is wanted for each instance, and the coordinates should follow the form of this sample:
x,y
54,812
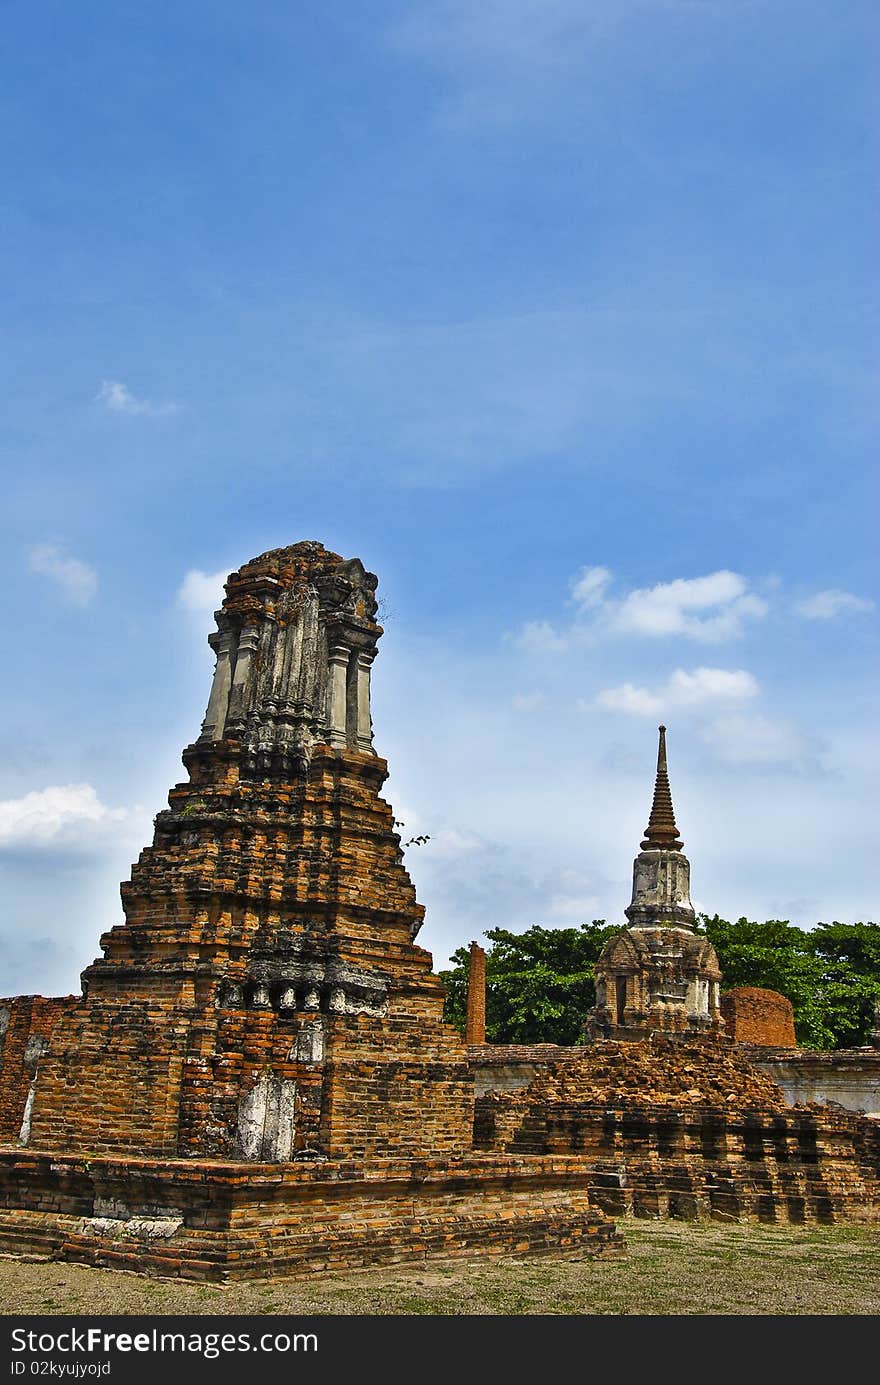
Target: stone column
x,y
215,716
475,1032
364,721
247,644
336,695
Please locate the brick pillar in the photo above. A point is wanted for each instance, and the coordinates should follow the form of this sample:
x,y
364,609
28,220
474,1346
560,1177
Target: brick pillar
x,y
476,997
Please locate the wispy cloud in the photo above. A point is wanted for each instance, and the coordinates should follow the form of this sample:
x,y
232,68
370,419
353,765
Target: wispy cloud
x,y
528,702
118,398
442,397
501,57
758,740
701,687
574,900
202,591
588,588
527,33
540,637
77,580
826,605
62,814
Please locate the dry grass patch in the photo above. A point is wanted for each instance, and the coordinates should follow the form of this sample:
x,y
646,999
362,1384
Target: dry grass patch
x,y
669,1268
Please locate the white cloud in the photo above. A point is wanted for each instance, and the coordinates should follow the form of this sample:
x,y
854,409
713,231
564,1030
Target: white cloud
x,y
77,580
588,588
574,900
540,637
701,687
828,604
202,591
61,814
448,843
571,909
528,702
639,702
119,399
756,740
712,685
709,609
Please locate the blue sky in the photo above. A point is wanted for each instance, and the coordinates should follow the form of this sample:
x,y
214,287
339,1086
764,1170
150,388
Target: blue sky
x,y
561,315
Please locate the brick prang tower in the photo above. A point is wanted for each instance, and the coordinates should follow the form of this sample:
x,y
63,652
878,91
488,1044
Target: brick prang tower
x,y
264,999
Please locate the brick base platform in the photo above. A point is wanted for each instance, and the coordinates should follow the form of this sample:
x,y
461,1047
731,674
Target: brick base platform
x,y
225,1222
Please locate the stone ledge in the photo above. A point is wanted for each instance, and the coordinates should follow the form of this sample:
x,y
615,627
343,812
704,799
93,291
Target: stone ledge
x,y
838,1057
221,1222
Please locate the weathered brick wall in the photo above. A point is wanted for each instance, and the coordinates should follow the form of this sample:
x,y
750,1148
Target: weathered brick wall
x,y
686,1130
757,1016
400,1085
265,997
262,909
226,1222
796,1167
844,1077
26,1025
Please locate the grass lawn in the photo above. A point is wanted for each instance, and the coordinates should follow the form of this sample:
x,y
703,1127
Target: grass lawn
x,y
668,1268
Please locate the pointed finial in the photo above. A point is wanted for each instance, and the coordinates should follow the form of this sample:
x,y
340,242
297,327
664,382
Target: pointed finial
x,y
661,830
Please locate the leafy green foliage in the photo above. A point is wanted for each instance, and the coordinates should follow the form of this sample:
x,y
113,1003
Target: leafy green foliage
x,y
831,973
539,984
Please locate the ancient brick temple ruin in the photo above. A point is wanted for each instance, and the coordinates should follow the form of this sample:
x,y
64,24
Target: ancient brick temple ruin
x,y
264,999
658,975
257,1079
674,1116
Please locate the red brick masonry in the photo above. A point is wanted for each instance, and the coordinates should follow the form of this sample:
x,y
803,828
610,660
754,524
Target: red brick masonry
x,y
757,1016
258,1080
475,1032
26,1025
221,1222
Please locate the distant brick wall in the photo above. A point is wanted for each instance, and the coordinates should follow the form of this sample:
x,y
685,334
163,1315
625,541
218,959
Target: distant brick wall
x,y
756,1016
26,1024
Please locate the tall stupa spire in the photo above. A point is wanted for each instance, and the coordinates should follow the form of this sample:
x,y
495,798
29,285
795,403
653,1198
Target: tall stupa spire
x,y
661,830
661,871
659,975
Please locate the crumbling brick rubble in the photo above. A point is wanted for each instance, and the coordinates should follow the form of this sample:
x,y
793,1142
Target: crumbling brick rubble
x,y
687,1129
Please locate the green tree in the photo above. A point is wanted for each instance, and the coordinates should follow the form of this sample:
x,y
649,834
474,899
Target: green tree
x,y
850,957
830,973
773,955
539,984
